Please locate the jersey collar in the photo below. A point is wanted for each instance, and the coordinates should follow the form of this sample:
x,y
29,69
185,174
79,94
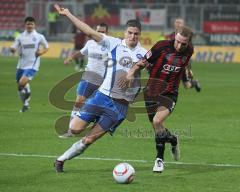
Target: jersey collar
x,y
125,45
33,32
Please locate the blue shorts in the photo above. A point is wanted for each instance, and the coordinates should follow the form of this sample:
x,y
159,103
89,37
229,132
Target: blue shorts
x,y
86,89
30,73
104,111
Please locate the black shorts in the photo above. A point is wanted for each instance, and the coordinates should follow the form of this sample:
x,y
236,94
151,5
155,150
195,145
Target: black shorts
x,y
152,104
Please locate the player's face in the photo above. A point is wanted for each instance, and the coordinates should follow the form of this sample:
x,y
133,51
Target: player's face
x,y
178,24
132,35
101,29
180,43
29,26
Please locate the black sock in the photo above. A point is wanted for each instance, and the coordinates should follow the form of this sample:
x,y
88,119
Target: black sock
x,y
170,138
160,139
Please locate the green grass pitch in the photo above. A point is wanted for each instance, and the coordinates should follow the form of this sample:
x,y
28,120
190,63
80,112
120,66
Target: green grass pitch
x,y
208,124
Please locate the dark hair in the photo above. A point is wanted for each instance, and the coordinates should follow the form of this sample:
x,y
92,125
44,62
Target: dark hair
x,y
134,23
30,19
186,32
103,25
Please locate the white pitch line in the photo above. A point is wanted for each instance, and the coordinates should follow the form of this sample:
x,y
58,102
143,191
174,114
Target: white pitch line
x,y
120,160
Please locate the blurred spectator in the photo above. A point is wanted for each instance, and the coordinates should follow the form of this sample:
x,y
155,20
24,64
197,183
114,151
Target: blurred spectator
x,y
16,33
79,40
52,21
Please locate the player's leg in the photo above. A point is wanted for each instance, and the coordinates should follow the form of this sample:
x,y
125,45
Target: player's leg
x,y
84,91
160,137
158,112
23,78
80,146
108,114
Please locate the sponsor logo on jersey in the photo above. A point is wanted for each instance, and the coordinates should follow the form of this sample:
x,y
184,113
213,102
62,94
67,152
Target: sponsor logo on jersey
x,y
126,62
170,68
29,46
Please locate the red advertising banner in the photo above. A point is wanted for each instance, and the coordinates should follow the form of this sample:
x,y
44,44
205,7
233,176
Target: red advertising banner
x,y
221,27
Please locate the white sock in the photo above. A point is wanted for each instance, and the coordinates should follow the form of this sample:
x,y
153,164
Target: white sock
x,y
28,91
21,94
75,150
27,87
26,102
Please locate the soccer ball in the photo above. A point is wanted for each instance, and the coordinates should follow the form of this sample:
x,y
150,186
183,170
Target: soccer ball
x,y
123,173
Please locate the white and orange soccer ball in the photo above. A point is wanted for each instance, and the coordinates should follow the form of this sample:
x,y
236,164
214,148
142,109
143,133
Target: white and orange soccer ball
x,y
123,173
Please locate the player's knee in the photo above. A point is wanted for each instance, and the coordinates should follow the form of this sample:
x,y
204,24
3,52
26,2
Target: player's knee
x,y
21,84
75,129
157,121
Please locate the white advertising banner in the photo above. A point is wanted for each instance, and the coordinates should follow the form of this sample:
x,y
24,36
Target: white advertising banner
x,y
153,17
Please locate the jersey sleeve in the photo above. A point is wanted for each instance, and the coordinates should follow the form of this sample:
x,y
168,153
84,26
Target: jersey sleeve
x,y
44,42
84,50
109,42
152,55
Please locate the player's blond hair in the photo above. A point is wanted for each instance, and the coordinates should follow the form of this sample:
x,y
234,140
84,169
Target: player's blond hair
x,y
186,32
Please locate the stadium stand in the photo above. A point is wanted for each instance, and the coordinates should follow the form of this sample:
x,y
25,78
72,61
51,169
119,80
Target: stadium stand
x,y
12,13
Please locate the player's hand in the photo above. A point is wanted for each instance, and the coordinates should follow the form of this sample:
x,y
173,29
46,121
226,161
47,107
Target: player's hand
x,y
61,10
125,81
142,63
38,53
67,60
12,50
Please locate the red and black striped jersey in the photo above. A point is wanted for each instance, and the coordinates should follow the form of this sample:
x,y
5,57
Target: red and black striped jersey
x,y
166,65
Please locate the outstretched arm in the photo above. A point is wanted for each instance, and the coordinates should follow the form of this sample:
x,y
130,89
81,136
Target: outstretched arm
x,y
86,29
75,55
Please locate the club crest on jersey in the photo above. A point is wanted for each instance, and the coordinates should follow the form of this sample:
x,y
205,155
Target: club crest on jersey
x,y
148,54
104,47
126,62
139,56
34,39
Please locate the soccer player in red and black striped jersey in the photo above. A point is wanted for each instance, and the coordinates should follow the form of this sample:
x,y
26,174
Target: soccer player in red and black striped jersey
x,y
187,78
166,62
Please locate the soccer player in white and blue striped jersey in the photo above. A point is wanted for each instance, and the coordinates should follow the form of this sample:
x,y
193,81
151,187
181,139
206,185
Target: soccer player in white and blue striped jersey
x,y
107,108
30,45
